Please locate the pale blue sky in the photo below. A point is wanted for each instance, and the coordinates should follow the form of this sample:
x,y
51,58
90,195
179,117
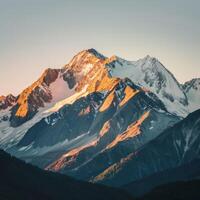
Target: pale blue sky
x,y
36,34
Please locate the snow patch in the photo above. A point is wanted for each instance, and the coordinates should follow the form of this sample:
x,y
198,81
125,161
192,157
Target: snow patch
x,y
60,89
68,100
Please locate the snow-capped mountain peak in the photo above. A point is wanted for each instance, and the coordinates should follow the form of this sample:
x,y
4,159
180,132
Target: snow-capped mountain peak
x,y
192,91
150,73
194,83
85,56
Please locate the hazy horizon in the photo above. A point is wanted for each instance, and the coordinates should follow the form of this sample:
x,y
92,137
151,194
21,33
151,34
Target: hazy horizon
x,y
47,33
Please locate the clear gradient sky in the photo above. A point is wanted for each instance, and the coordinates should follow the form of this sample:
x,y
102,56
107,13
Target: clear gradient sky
x,y
36,34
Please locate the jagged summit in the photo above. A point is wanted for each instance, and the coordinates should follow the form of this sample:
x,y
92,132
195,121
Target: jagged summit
x,y
96,53
115,58
193,83
84,56
7,96
148,57
192,91
150,73
7,101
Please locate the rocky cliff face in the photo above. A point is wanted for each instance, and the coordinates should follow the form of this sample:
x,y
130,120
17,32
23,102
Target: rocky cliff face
x,y
7,101
33,98
174,147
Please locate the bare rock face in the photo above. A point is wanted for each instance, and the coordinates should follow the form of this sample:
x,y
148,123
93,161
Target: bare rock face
x,y
49,76
70,78
33,98
7,101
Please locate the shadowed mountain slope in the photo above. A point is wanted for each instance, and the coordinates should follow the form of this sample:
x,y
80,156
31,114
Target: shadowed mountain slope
x,y
21,181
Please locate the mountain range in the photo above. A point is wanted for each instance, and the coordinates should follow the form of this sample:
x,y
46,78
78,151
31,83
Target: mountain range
x,y
105,120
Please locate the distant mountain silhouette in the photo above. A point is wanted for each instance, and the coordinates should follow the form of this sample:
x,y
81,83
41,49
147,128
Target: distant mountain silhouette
x,y
21,181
